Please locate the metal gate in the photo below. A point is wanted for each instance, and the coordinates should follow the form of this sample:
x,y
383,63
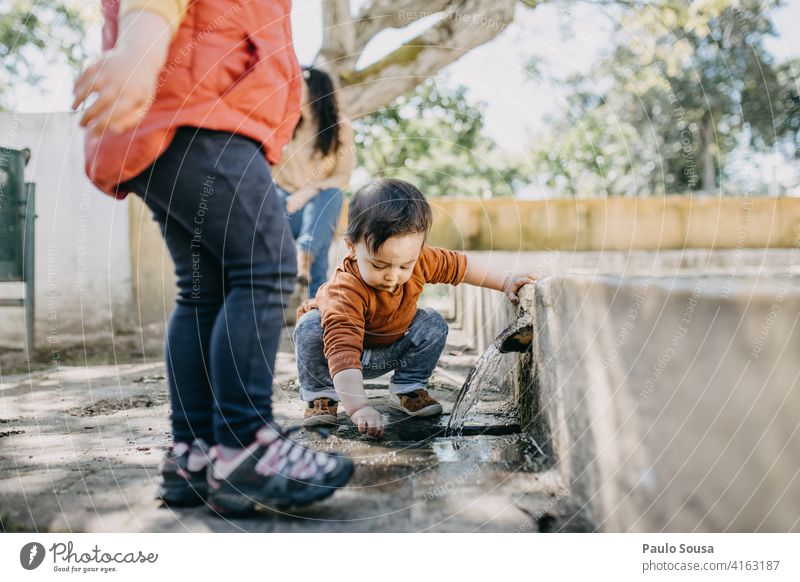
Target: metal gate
x,y
17,215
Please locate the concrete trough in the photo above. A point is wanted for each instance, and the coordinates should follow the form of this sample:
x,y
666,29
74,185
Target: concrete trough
x,y
667,397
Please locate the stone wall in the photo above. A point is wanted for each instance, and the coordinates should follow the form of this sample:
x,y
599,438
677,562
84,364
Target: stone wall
x,y
669,399
648,223
83,265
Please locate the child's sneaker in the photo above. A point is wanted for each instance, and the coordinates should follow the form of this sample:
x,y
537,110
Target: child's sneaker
x,y
416,403
321,412
183,474
274,471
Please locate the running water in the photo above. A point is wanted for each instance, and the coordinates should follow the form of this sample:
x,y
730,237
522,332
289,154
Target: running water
x,y
484,369
516,337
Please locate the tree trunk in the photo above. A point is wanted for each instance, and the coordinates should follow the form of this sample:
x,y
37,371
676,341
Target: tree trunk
x,y
462,25
338,37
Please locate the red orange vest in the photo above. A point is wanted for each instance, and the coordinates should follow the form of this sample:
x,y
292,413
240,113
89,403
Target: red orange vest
x,y
231,67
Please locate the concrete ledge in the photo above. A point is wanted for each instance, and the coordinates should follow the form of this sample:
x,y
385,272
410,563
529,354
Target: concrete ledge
x,y
671,403
657,222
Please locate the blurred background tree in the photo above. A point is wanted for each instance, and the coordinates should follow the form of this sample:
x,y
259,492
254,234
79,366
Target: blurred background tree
x,y
33,35
684,85
434,138
455,27
682,95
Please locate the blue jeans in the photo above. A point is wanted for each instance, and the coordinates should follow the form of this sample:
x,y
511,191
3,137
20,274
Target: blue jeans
x,y
412,358
212,194
313,227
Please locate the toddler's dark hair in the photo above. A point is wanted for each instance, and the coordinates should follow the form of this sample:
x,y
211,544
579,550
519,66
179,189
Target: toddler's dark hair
x,y
385,208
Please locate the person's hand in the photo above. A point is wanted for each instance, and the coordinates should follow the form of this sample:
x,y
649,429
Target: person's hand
x,y
124,78
296,201
513,283
368,420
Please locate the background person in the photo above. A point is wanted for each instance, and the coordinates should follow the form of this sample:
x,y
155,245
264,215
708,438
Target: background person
x,y
315,168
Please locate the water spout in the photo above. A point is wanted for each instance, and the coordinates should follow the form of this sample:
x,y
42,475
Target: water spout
x,y
518,336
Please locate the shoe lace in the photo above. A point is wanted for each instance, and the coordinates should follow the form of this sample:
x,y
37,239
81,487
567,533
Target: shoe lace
x,y
286,455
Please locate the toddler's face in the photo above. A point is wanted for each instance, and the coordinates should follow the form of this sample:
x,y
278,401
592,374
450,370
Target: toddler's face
x,y
392,265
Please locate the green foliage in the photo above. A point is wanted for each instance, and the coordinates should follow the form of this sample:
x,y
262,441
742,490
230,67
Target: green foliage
x,y
34,33
591,156
683,87
433,138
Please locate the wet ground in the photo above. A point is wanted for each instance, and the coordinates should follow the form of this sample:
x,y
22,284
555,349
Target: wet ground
x,y
80,446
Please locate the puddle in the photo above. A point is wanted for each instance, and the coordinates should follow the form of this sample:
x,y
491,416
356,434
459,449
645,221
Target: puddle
x,y
519,452
487,439
420,430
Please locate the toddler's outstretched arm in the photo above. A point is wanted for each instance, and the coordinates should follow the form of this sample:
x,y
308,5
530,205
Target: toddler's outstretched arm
x,y
481,274
349,385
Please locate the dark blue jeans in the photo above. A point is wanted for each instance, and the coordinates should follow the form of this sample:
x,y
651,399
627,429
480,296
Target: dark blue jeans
x,y
213,196
313,227
412,358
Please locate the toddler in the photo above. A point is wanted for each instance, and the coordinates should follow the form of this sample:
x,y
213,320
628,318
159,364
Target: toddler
x,y
364,322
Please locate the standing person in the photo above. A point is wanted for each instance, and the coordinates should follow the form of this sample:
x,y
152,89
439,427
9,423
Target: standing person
x,y
315,168
193,98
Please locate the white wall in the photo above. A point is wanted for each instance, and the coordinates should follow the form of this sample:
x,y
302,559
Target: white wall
x,y
83,264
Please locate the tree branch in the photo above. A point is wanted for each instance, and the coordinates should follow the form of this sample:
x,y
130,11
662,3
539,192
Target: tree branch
x,y
381,14
465,24
338,37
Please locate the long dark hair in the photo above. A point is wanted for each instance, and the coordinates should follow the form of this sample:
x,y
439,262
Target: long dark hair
x,y
322,99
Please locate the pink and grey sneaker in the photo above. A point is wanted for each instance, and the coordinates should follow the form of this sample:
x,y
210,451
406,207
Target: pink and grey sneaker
x,y
183,474
274,471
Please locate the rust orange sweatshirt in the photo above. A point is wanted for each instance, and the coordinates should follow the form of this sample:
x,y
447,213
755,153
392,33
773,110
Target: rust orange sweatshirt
x,y
355,316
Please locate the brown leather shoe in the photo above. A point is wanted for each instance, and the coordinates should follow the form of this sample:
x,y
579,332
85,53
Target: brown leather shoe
x,y
321,412
417,403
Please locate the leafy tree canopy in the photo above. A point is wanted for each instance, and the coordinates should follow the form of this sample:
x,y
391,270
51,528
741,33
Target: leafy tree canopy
x,y
434,138
683,86
35,33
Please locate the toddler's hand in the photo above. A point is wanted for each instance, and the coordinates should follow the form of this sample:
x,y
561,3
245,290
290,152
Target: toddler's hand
x,y
368,420
124,78
513,283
